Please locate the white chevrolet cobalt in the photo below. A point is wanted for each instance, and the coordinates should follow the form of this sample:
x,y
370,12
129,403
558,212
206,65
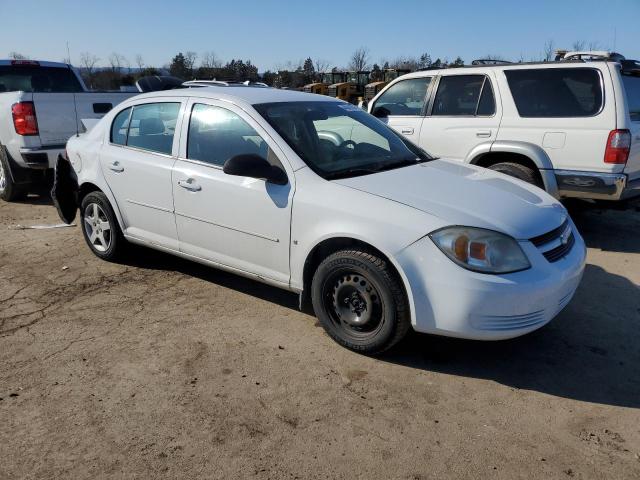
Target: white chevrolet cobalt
x,y
316,196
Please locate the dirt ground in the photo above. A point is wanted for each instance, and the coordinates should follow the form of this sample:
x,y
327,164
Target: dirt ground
x,y
160,368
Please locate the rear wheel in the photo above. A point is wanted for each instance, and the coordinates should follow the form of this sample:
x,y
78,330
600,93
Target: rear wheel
x,y
100,227
518,171
9,190
360,302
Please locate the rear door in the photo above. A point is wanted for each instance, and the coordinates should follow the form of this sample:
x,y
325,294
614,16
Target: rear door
x,y
402,106
137,160
463,114
632,88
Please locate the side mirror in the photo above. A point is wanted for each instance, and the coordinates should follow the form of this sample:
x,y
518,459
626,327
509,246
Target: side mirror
x,y
254,166
380,112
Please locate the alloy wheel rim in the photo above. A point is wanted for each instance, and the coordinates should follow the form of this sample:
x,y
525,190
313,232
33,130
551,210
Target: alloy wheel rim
x,y
97,227
354,304
3,178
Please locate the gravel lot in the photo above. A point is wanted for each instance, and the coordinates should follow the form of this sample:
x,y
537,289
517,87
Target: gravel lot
x,y
160,368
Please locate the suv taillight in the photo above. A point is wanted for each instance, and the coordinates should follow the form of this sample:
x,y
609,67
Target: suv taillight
x,y
24,118
618,146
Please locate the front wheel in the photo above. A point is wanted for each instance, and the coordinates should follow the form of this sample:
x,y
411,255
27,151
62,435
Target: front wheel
x,y
100,227
360,302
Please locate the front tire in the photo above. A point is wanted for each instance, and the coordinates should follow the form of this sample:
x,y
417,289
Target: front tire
x,y
516,170
9,190
360,302
100,227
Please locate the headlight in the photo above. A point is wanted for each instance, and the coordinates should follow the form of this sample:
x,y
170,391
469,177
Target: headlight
x,y
481,250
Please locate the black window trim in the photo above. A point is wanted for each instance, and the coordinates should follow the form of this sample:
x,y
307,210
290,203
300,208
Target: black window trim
x,y
602,88
427,95
139,149
429,112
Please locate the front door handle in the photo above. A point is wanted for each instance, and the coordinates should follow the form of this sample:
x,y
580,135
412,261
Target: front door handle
x,y
407,131
116,167
483,134
189,184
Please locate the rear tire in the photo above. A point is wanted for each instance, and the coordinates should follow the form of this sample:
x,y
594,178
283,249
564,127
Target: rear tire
x,y
516,170
100,227
360,302
9,190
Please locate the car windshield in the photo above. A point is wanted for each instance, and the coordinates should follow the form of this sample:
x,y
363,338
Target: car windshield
x,y
339,140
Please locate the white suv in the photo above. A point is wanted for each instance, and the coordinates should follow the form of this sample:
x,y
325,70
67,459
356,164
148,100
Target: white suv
x,y
571,127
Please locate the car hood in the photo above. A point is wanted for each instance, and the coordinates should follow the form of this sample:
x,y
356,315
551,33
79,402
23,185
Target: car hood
x,y
461,194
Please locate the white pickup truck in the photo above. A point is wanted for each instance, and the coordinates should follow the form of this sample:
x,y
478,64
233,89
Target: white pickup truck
x,y
42,104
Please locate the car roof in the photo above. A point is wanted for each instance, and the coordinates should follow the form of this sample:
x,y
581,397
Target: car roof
x,y
242,94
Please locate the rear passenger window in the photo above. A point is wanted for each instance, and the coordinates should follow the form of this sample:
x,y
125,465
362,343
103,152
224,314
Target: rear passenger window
x,y
217,134
119,127
153,126
460,95
632,87
404,98
556,92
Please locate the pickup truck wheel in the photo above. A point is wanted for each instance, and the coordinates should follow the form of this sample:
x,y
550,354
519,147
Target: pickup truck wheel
x,y
9,190
100,227
360,302
521,172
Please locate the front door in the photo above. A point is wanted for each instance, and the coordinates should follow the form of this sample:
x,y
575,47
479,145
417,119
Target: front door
x,y
402,105
137,162
239,222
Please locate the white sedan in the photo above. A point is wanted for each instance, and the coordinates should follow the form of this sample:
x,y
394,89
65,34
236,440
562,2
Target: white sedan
x,y
314,195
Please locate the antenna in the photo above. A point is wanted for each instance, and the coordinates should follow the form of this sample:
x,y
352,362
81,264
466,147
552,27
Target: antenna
x,y
68,54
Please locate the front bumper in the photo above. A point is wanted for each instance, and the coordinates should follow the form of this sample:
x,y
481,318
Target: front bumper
x,y
449,300
595,185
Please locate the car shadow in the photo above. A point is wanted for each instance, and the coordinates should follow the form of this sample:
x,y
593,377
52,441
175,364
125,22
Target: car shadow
x,y
590,352
35,199
612,228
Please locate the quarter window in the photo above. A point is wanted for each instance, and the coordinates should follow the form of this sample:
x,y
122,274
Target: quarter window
x,y
119,127
632,87
556,92
152,126
217,134
467,95
406,97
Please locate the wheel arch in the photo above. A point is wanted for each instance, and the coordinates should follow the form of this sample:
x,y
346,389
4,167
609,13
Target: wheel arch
x,y
525,153
325,247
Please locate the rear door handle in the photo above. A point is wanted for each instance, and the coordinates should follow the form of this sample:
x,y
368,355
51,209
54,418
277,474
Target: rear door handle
x,y
116,167
189,184
407,130
483,134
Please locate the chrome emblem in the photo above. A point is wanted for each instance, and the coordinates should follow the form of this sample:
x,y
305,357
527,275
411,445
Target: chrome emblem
x,y
564,238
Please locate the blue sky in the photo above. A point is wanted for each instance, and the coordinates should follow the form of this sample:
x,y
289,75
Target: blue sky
x,y
272,33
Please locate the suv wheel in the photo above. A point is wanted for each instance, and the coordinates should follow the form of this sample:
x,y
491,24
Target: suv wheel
x,y
521,172
360,301
9,190
100,227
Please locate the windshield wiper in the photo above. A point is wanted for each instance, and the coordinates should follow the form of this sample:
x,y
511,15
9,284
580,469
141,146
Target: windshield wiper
x,y
351,172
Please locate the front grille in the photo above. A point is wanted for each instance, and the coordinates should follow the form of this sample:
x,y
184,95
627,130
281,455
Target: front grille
x,y
560,251
553,245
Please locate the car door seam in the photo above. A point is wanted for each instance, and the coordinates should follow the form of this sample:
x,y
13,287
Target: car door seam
x,y
253,234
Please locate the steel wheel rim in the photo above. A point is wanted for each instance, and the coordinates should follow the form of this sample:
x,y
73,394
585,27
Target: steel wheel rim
x,y
354,304
97,227
3,178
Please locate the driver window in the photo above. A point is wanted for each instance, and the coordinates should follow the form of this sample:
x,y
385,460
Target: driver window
x,y
217,134
404,98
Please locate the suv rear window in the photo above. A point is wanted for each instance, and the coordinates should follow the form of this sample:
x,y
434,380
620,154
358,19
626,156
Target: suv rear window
x,y
32,78
556,92
632,87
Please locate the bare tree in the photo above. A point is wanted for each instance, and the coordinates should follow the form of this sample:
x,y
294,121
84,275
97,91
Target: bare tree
x,y
17,56
578,45
88,62
210,60
359,59
139,61
548,53
117,61
190,60
321,65
593,46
